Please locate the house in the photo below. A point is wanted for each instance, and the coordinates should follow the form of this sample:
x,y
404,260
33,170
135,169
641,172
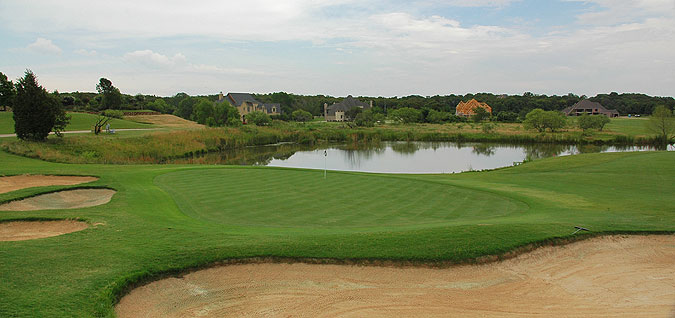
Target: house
x,y
466,109
588,107
245,103
337,111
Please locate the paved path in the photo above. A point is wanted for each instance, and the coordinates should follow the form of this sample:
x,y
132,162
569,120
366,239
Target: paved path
x,y
85,131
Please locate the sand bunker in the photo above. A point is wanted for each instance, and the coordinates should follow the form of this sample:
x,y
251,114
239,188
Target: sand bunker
x,y
13,183
602,277
68,199
21,230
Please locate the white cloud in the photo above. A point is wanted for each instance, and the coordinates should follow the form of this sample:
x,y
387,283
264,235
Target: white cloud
x,y
389,47
152,59
44,46
86,52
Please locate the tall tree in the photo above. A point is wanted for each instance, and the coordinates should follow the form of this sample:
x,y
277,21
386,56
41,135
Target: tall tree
x,y
112,98
7,92
662,123
36,112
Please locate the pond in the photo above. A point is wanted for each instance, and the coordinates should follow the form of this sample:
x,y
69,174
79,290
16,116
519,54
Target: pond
x,y
399,157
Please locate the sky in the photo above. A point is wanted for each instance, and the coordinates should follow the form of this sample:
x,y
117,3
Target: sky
x,y
342,47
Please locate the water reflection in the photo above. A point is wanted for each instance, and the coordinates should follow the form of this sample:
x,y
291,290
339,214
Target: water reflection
x,y
399,157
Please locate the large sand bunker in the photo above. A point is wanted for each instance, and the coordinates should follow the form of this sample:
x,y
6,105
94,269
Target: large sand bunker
x,y
67,199
13,183
602,277
30,230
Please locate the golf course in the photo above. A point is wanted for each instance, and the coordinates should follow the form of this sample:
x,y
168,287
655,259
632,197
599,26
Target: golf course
x,y
166,220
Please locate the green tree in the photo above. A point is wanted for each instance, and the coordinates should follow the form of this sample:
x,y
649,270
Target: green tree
x,y
258,118
541,120
185,106
365,119
36,112
437,117
662,123
301,115
406,115
112,98
480,114
7,92
353,112
202,111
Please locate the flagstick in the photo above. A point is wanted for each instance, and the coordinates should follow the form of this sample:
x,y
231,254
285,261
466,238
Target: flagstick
x,y
325,154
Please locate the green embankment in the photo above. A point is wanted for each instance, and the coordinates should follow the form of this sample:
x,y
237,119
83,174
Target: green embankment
x,y
78,121
166,218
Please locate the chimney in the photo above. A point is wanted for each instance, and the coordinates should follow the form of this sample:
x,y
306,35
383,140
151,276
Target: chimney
x,y
325,110
220,96
371,103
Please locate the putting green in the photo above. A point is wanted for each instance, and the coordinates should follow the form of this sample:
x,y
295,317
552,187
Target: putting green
x,y
303,198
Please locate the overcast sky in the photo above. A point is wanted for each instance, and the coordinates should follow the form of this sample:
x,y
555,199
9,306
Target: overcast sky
x,y
340,47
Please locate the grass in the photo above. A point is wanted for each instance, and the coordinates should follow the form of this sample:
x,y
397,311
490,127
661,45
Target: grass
x,y
166,218
635,127
78,121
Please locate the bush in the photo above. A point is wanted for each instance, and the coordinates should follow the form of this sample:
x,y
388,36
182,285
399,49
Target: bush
x,y
301,115
541,120
258,118
113,113
406,115
436,117
586,122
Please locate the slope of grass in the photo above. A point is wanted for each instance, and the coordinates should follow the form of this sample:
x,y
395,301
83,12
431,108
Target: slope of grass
x,y
166,218
78,121
629,126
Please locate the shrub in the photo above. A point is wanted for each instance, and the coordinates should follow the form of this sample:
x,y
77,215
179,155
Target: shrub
x,y
258,118
406,115
113,113
301,115
541,120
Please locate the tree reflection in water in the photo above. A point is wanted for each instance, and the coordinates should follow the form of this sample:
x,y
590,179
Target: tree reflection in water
x,y
424,157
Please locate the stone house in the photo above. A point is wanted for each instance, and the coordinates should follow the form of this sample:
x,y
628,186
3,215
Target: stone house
x,y
466,109
337,111
588,107
245,103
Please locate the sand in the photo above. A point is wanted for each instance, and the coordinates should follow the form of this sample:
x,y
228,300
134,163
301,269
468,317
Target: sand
x,y
30,230
13,183
67,199
631,276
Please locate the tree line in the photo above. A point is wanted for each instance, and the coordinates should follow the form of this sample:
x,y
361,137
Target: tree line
x,y
434,109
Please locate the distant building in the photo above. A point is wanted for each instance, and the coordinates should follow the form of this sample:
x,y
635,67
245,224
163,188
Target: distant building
x,y
466,109
245,103
337,111
588,107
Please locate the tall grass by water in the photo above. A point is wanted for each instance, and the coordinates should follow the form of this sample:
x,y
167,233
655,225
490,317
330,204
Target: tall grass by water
x,y
160,147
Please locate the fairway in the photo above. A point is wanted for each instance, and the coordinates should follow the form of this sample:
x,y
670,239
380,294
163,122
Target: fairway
x,y
303,198
165,219
78,121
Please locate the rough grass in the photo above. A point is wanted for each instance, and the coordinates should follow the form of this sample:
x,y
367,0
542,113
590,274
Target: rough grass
x,y
155,224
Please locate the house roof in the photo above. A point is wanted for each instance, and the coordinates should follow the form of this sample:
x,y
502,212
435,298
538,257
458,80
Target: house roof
x,y
466,108
236,99
587,104
345,105
269,107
